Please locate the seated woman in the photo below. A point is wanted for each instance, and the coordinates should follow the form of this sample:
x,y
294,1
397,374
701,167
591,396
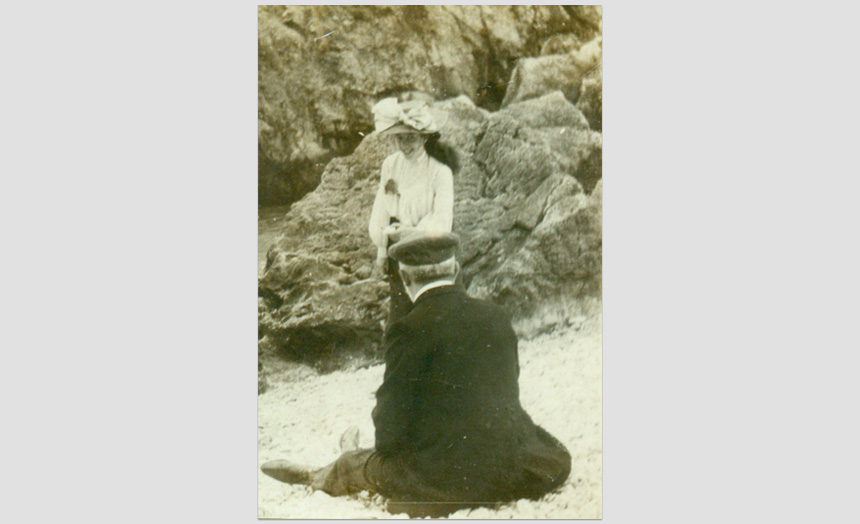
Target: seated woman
x,y
416,188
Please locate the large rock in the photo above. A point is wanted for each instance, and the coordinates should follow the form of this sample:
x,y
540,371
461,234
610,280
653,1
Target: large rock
x,y
531,233
554,279
318,301
589,99
526,142
322,67
565,72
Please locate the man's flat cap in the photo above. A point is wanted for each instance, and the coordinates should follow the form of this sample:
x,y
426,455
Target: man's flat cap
x,y
422,248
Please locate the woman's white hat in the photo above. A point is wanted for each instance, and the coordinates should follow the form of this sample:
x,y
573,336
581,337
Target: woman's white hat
x,y
411,116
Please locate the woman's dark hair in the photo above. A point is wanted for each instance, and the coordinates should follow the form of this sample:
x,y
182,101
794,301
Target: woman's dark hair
x,y
441,152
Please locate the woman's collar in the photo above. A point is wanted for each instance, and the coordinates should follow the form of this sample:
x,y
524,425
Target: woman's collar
x,y
420,156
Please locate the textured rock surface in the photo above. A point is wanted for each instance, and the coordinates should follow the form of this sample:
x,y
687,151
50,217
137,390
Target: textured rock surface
x,y
565,72
554,279
317,299
322,67
586,21
527,208
589,99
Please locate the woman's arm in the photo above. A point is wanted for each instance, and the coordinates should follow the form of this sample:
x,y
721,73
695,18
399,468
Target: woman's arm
x,y
442,217
379,217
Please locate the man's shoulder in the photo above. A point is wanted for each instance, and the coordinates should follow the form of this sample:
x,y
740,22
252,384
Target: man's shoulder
x,y
400,327
456,302
477,303
488,310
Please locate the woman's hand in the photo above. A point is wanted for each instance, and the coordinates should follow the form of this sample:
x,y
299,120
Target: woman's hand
x,y
398,232
379,268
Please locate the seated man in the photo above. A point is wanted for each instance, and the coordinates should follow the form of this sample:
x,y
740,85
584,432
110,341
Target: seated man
x,y
450,430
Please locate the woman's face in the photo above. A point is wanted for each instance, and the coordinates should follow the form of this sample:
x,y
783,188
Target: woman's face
x,y
410,143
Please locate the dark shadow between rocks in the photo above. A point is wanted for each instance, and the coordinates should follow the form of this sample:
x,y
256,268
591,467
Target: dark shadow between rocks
x,y
284,183
329,347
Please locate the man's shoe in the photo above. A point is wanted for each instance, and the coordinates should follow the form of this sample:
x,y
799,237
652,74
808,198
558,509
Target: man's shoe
x,y
349,439
286,471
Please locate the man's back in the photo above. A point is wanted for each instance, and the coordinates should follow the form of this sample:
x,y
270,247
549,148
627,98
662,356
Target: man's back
x,y
448,410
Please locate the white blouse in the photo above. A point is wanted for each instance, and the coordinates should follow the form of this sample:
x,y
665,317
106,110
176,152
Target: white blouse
x,y
418,193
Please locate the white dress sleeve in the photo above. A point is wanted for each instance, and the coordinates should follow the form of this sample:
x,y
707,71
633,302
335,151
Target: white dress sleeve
x,y
379,217
441,219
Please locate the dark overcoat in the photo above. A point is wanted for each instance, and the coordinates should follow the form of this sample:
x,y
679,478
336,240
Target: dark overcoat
x,y
449,424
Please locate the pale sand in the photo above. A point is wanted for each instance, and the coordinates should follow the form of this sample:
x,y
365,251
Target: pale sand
x,y
302,417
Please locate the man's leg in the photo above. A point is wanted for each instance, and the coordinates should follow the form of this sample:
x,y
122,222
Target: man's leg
x,y
286,471
345,475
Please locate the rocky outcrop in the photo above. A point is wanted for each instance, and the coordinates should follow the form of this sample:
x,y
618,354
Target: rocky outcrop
x,y
318,302
527,209
322,67
530,241
589,99
554,279
564,71
262,382
586,21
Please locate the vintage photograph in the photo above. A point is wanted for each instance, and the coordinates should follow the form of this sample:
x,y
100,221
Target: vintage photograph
x,y
430,262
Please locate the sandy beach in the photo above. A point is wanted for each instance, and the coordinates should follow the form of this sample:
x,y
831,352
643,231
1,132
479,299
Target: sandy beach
x,y
303,413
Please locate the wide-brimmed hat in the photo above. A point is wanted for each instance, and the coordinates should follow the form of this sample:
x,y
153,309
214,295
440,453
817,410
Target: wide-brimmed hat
x,y
422,248
411,116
